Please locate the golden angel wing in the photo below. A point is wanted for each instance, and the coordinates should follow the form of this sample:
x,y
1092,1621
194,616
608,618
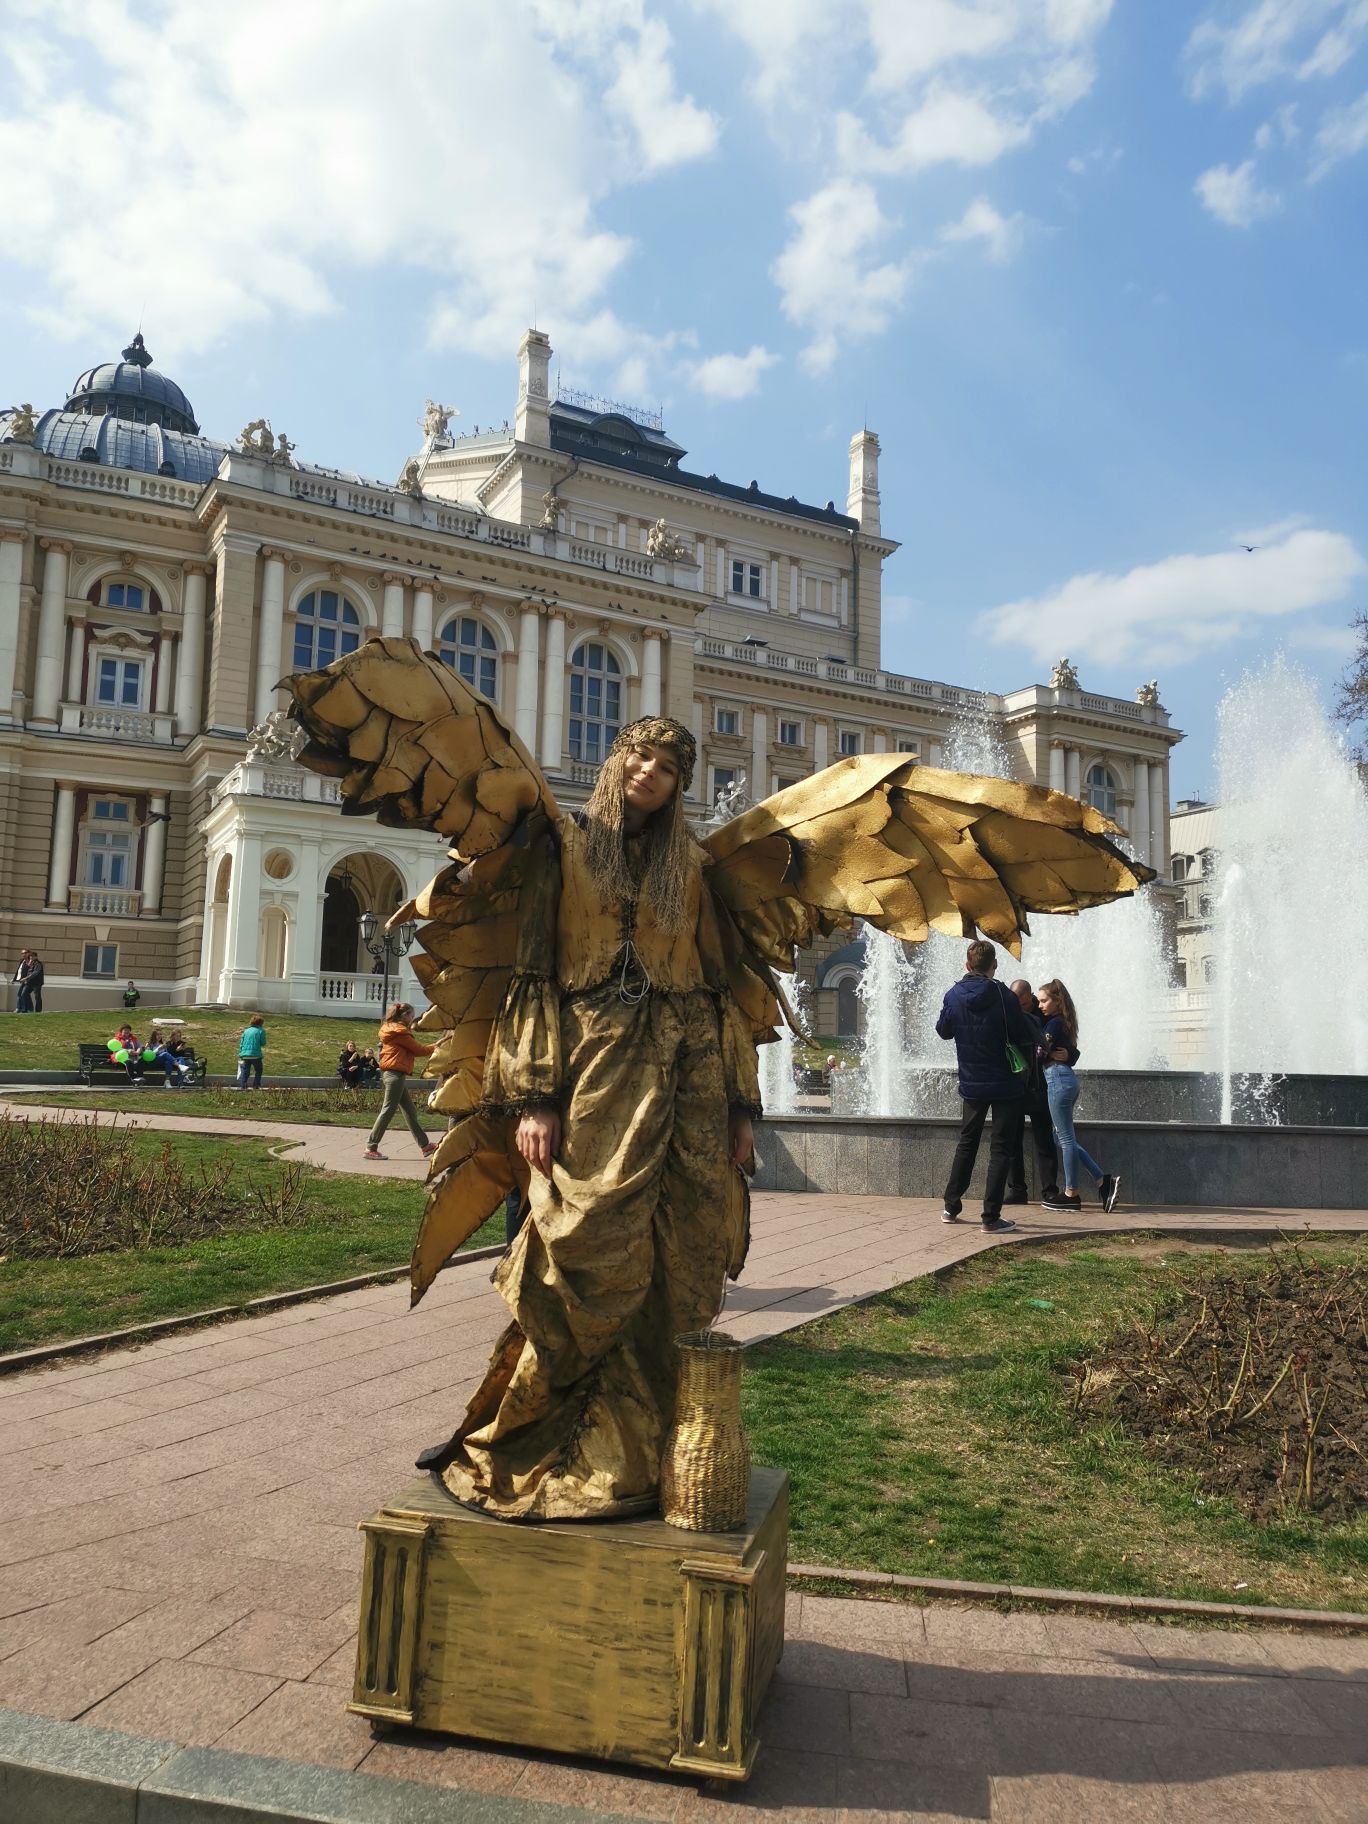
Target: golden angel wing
x,y
413,744
909,848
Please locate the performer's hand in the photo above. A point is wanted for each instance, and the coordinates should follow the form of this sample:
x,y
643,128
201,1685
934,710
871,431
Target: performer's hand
x,y
741,1136
539,1137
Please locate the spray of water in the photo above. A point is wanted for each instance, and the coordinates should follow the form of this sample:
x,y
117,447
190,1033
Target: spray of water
x,y
778,1062
1291,978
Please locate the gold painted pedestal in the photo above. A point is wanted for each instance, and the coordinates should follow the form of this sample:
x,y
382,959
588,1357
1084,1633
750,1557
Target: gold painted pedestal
x,y
625,1639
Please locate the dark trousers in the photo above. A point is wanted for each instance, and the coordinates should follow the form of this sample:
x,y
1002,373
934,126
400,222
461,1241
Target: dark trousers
x,y
1036,1110
1006,1130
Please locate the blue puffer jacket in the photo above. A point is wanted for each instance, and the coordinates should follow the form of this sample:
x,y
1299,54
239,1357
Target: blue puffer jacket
x,y
981,1015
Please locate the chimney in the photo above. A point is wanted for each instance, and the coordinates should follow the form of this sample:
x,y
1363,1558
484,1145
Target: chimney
x,y
862,502
533,423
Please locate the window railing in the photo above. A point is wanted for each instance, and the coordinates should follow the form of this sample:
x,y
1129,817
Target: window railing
x,y
109,723
107,902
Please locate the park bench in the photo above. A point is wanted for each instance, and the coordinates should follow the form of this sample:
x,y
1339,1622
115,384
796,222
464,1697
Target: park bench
x,y
97,1058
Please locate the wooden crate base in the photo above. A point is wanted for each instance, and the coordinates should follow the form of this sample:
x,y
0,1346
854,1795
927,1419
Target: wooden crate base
x,y
629,1640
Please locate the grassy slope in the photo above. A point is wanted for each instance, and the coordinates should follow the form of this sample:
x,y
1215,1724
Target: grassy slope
x,y
929,1433
303,1045
355,1225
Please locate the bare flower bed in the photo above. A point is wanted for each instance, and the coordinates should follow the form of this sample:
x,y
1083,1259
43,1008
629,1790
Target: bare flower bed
x,y
1257,1384
72,1187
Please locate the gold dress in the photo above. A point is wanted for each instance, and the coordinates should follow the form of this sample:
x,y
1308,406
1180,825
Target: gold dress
x,y
618,1025
541,994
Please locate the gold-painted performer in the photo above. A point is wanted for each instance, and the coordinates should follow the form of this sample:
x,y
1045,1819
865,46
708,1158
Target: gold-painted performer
x,y
600,982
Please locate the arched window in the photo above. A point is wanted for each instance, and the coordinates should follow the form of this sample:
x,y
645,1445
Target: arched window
x,y
595,701
469,648
1101,791
326,626
123,595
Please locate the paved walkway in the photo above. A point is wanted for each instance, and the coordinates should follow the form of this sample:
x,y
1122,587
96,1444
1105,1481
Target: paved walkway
x,y
179,1559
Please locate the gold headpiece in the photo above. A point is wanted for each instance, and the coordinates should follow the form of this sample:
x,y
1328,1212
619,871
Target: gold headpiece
x,y
663,731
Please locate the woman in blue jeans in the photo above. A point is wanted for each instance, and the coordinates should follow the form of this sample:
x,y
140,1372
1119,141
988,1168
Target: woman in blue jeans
x,y
1060,1053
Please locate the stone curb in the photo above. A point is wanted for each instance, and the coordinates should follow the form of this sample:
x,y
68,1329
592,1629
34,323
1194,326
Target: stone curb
x,y
68,1773
167,1326
950,1589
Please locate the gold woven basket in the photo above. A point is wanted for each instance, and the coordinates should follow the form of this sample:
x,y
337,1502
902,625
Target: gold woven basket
x,y
705,1471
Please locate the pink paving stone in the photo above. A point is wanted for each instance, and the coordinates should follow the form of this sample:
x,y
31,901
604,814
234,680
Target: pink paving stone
x,y
177,1700
174,1628
881,1792
300,1722
613,1790
279,1644
71,1623
339,1669
69,1684
433,1760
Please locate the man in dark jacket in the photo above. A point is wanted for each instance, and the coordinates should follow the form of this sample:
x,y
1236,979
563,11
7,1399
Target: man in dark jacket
x,y
1035,1108
982,1017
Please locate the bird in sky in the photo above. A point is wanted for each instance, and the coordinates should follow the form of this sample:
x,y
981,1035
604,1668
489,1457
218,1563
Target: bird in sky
x,y
1251,547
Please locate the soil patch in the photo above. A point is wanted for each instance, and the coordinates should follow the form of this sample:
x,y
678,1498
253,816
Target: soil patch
x,y
1255,1383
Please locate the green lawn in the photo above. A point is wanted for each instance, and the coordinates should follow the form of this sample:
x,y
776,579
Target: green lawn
x,y
297,1045
312,1107
353,1225
929,1433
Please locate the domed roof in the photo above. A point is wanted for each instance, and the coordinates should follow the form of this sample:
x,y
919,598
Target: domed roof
x,y
133,388
118,443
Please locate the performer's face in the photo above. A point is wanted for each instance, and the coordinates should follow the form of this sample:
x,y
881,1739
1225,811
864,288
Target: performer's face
x,y
649,777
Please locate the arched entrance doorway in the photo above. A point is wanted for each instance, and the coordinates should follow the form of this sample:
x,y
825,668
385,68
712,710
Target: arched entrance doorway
x,y
355,885
341,924
218,926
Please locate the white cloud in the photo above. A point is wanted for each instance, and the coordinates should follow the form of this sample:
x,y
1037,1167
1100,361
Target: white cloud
x,y
1001,234
828,282
949,127
1341,642
1180,607
1342,133
731,376
1280,130
1268,39
1233,196
1102,159
220,177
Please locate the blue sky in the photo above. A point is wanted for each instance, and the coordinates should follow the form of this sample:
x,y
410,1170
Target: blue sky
x,y
1095,270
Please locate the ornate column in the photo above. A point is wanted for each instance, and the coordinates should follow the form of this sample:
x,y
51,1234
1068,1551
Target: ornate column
x,y
1140,817
154,855
392,608
80,632
308,928
1056,766
553,693
11,575
650,675
190,657
525,703
242,944
422,615
47,676
1158,816
270,630
161,702
820,732
759,778
1073,770
59,868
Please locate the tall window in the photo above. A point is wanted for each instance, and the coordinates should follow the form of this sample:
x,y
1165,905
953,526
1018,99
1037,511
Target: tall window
x,y
727,721
326,626
747,579
119,683
1101,790
100,960
1180,867
125,595
790,734
595,701
469,648
108,844
850,741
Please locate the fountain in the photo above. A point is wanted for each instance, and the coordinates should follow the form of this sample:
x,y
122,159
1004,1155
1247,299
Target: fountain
x,y
1291,977
778,1061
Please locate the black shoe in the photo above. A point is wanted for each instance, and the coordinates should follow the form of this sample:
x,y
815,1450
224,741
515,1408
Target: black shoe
x,y
1016,1197
1063,1202
1111,1185
995,1225
1050,1194
951,1215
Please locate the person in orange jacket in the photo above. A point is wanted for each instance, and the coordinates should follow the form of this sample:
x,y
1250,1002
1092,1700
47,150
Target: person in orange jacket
x,y
398,1049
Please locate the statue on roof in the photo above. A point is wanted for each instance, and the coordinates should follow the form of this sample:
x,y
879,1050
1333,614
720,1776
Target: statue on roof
x,y
1064,676
550,510
23,427
257,438
284,451
1147,696
411,478
435,420
136,352
662,542
279,737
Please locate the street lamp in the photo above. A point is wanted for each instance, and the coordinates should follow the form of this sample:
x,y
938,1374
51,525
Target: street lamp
x,y
387,947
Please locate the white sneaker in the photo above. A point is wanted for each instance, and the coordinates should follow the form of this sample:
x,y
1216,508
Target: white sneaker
x,y
949,1215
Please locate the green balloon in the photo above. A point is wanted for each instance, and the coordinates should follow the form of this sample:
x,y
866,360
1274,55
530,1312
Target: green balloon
x,y
149,1056
121,1056
111,1044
